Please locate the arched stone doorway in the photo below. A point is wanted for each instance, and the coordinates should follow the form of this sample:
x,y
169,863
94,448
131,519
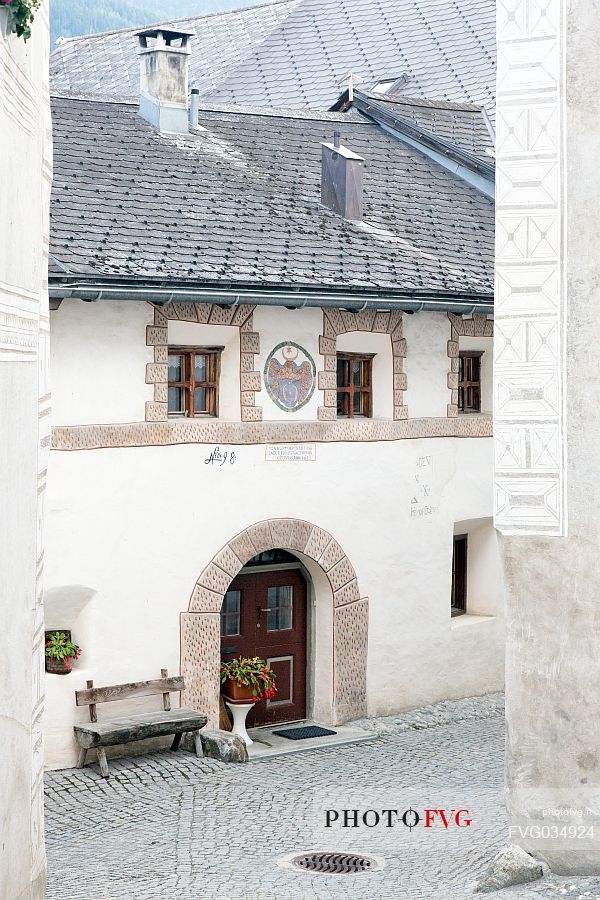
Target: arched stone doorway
x,y
200,625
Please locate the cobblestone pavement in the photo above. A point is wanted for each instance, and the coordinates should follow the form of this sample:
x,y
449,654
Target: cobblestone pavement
x,y
169,825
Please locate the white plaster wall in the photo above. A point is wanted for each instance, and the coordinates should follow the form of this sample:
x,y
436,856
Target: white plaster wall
x,y
25,178
190,334
383,367
303,326
486,344
427,364
130,530
98,361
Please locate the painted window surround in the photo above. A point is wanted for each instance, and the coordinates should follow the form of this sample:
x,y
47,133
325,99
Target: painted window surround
x,y
160,430
478,326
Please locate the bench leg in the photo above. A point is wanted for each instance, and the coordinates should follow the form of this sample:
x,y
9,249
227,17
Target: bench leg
x,y
198,745
103,762
81,757
176,742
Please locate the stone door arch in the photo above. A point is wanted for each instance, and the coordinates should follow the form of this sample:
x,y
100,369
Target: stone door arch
x,y
200,625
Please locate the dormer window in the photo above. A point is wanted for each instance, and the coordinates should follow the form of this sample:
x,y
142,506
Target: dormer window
x,y
194,381
382,87
389,85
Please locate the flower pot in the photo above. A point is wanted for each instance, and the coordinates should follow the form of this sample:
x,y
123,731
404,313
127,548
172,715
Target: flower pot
x,y
57,666
239,693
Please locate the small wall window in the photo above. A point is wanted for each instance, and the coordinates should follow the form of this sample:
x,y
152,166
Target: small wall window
x,y
459,576
194,381
469,381
355,385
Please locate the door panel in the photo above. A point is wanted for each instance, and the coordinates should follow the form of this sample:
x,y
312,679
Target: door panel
x,y
264,614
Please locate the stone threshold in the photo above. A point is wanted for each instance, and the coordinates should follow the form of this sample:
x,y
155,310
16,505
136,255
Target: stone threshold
x,y
267,745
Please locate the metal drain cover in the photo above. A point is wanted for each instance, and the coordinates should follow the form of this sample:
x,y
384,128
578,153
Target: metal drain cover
x,y
328,863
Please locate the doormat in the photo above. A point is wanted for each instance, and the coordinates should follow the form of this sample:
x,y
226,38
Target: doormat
x,y
303,733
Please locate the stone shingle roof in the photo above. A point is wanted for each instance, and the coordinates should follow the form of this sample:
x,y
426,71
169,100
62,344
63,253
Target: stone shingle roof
x,y
294,53
239,201
462,124
106,64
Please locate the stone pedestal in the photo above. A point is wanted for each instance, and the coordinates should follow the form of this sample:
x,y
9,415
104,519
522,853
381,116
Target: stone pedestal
x,y
547,427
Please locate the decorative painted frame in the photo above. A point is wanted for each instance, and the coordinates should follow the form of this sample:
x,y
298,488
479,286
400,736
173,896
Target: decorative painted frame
x,y
340,321
200,625
478,326
314,372
203,314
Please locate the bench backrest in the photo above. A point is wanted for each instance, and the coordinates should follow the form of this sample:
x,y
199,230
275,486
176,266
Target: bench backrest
x,y
162,685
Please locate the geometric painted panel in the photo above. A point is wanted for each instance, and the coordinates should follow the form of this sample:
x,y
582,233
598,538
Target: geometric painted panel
x,y
530,314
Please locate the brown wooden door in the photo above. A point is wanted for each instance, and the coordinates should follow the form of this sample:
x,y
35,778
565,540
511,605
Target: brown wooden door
x,y
265,615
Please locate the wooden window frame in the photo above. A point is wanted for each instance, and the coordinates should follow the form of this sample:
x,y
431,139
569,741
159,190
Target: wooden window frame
x,y
351,389
189,383
225,616
465,385
460,569
277,609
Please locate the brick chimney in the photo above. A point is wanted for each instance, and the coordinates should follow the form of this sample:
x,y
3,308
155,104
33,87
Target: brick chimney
x,y
342,180
164,57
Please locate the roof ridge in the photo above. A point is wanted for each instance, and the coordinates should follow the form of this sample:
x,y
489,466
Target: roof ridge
x,y
304,113
63,94
134,28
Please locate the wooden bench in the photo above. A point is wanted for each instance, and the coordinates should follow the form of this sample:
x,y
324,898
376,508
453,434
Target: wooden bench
x,y
138,727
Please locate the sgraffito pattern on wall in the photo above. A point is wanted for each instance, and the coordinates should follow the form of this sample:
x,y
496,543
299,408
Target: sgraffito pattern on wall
x,y
477,326
341,321
203,314
26,129
530,293
196,431
290,375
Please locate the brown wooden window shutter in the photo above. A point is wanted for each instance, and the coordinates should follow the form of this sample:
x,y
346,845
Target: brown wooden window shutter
x,y
469,381
194,381
355,385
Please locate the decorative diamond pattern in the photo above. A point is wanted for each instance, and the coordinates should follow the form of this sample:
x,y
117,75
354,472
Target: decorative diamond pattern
x,y
530,295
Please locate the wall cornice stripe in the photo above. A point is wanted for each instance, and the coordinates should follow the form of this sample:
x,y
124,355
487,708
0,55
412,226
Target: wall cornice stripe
x,y
158,434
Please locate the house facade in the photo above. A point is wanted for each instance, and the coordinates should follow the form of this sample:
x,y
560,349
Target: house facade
x,y
272,381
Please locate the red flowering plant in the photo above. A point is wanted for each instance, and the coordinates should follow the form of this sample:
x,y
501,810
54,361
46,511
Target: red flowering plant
x,y
61,649
22,12
251,672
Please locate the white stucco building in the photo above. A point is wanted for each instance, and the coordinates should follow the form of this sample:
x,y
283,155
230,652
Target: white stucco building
x,y
272,401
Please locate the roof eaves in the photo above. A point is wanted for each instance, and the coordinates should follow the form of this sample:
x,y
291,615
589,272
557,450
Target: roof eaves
x,y
93,288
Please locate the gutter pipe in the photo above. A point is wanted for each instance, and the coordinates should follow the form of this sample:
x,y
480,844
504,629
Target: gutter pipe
x,y
409,302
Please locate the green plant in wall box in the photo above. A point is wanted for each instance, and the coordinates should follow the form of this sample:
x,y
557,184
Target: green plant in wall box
x,y
59,647
22,12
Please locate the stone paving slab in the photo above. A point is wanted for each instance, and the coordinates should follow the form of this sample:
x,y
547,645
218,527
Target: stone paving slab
x,y
169,825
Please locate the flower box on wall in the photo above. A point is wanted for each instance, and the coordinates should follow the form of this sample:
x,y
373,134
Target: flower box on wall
x,y
60,663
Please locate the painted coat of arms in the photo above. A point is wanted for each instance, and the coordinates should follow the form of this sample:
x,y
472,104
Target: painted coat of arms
x,y
290,375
